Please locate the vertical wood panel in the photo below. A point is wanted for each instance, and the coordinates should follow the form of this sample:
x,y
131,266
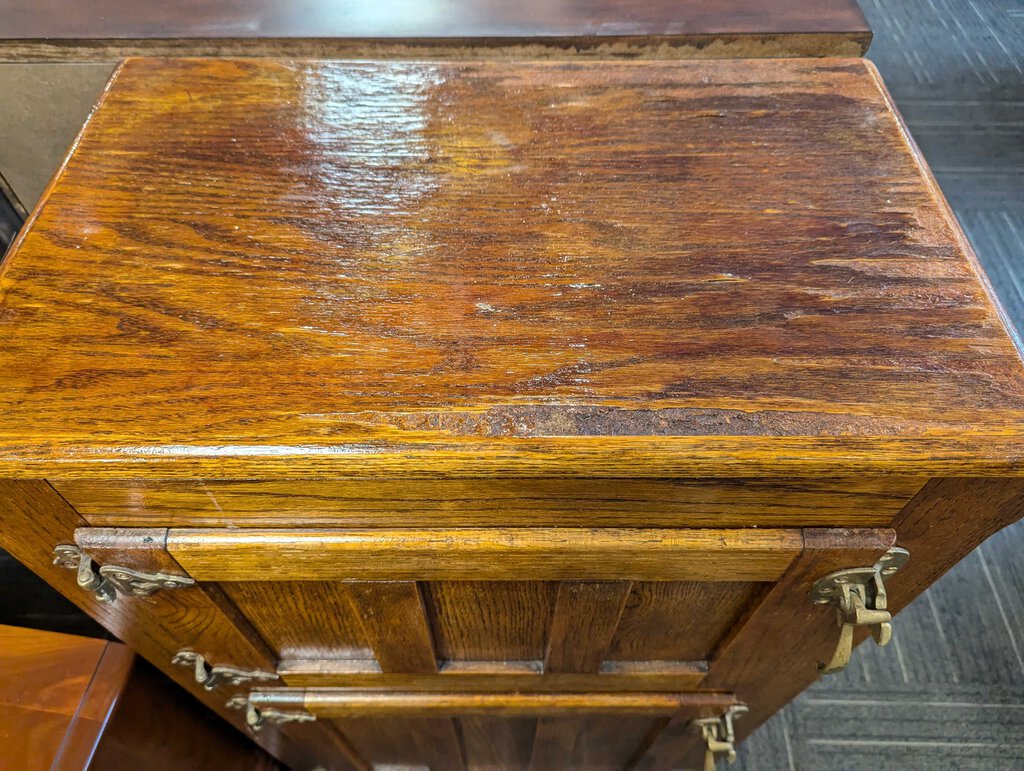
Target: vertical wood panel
x,y
302,619
491,620
394,619
498,742
398,741
679,620
584,622
553,742
608,742
597,742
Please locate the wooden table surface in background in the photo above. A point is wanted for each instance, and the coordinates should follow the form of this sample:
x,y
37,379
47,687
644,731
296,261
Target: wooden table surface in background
x,y
109,29
254,266
69,702
57,692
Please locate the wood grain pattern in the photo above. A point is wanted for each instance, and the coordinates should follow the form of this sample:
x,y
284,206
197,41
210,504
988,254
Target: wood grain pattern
x,y
394,618
200,618
400,741
483,554
585,742
419,308
671,297
100,711
553,742
610,741
682,620
419,28
860,502
302,619
491,620
583,624
520,676
497,742
942,524
30,735
321,745
330,703
508,731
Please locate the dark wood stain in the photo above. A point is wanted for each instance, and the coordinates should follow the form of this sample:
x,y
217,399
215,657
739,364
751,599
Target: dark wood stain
x,y
111,29
423,741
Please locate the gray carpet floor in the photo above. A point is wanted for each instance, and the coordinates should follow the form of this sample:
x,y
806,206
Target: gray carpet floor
x,y
948,693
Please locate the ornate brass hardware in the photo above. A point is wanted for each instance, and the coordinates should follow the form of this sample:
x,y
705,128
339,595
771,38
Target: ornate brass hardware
x,y
719,736
210,677
110,580
256,717
860,599
71,557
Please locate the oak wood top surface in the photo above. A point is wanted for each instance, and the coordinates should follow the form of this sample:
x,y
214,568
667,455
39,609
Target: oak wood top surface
x,y
275,268
67,29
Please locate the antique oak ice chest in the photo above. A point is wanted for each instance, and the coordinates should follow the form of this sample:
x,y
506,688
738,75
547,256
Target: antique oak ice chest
x,y
499,415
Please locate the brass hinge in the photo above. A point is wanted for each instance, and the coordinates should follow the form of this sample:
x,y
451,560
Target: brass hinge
x,y
110,580
860,599
719,735
256,717
210,677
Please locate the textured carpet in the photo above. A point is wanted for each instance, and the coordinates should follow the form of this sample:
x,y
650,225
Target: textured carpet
x,y
948,693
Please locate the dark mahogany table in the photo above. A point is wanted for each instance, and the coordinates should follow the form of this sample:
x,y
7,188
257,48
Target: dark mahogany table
x,y
66,30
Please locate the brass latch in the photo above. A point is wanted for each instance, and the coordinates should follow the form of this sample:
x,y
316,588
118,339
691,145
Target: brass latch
x,y
719,736
210,677
109,580
255,717
860,600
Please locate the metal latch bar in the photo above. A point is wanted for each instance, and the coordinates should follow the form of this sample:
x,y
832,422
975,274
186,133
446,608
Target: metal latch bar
x,y
111,580
860,598
211,676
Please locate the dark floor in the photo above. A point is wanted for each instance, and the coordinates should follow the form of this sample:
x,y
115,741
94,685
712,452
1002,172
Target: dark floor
x,y
948,693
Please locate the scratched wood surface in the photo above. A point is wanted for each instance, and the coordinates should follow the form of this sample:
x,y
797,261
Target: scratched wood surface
x,y
278,268
110,29
379,502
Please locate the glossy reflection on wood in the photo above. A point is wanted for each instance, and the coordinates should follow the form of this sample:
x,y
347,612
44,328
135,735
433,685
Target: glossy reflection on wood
x,y
111,29
70,702
347,703
262,267
478,554
477,397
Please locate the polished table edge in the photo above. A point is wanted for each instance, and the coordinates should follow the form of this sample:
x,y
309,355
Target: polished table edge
x,y
851,43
